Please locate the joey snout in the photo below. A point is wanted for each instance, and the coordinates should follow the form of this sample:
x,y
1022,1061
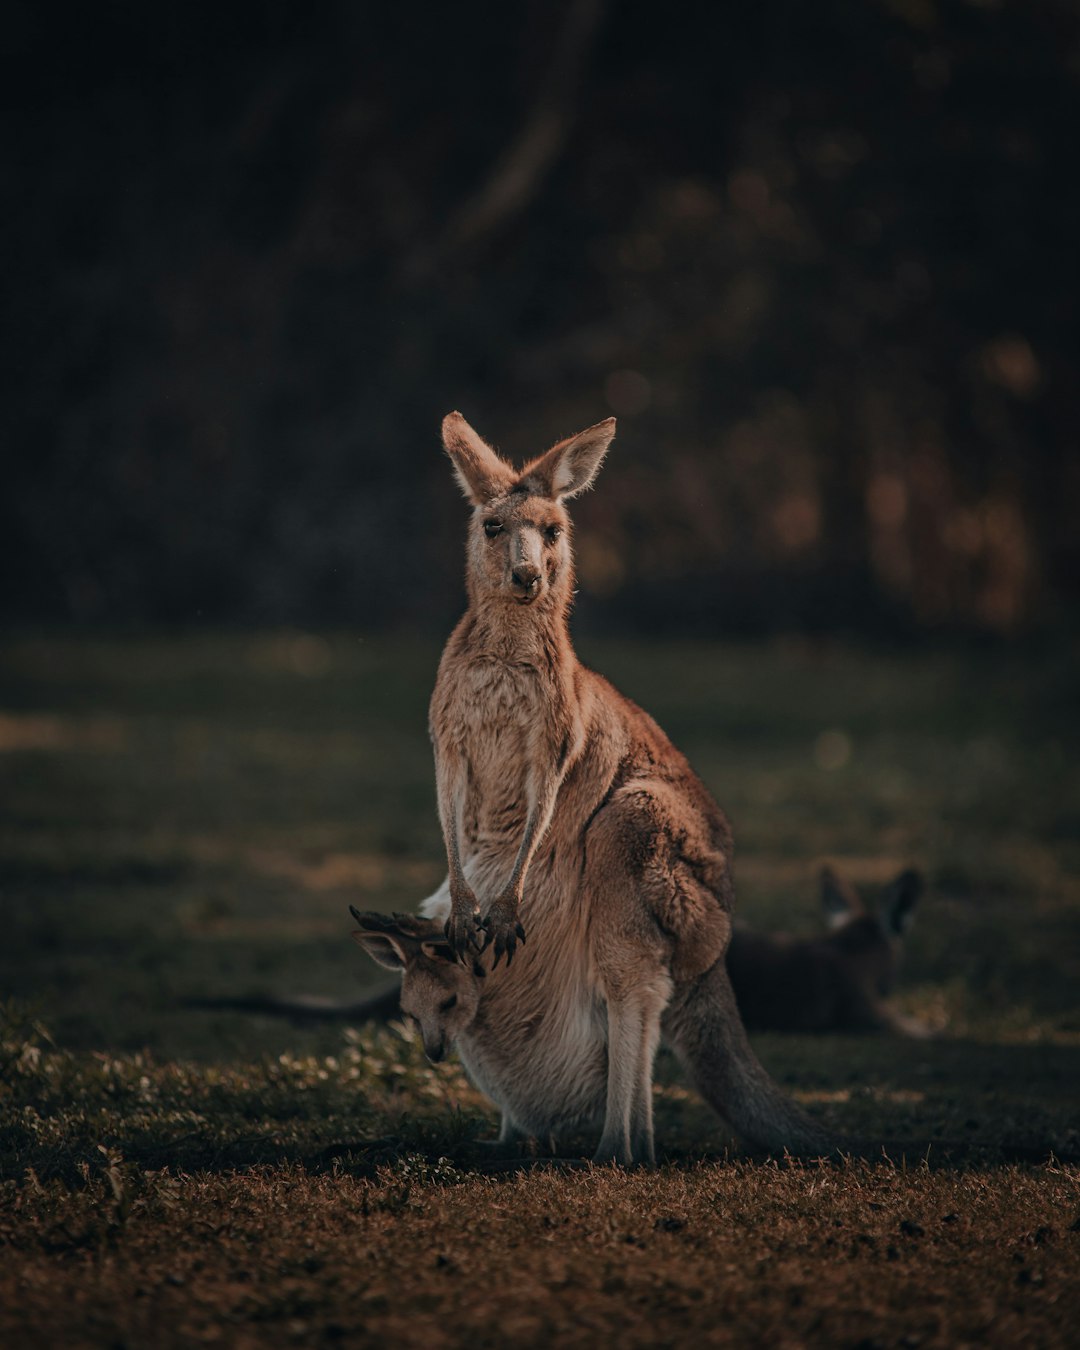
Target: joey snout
x,y
434,1046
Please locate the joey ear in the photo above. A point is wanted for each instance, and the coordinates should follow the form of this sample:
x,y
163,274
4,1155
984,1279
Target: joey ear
x,y
481,474
570,467
383,938
839,900
438,951
898,900
385,948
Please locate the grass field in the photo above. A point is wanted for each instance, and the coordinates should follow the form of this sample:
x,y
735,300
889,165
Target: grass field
x,y
185,817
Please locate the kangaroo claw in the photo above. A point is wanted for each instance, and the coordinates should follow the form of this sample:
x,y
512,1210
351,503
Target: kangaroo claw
x,y
504,936
460,933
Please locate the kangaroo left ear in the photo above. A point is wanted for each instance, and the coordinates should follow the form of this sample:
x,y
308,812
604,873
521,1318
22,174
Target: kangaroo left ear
x,y
383,948
386,938
570,467
839,900
898,901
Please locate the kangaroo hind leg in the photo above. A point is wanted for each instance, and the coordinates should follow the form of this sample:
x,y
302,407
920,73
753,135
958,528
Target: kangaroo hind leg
x,y
633,1039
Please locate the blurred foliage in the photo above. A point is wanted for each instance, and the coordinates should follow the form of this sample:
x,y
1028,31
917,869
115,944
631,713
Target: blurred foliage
x,y
819,260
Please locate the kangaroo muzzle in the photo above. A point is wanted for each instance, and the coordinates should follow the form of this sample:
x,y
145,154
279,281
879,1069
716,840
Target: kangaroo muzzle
x,y
435,1048
525,582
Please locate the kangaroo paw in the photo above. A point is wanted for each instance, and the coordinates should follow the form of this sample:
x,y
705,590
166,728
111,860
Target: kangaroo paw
x,y
462,933
502,932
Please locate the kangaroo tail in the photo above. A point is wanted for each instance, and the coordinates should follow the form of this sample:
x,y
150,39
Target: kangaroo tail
x,y
308,1007
702,1023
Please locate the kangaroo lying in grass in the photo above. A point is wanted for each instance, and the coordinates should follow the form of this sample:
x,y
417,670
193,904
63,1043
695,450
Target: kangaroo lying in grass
x,y
568,815
837,982
546,1062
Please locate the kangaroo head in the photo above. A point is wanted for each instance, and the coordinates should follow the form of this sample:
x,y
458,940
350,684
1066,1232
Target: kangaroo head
x,y
870,940
519,538
437,993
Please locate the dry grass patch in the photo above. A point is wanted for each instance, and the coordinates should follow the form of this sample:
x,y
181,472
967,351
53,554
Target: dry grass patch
x,y
421,1255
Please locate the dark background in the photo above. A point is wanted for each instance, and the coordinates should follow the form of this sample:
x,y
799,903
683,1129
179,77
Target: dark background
x,y
819,258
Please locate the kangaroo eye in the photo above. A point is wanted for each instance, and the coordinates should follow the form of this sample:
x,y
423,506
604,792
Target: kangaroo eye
x,y
448,1003
493,528
552,533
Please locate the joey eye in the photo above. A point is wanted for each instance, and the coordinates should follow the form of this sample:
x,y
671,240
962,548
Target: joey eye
x,y
493,528
448,1004
552,533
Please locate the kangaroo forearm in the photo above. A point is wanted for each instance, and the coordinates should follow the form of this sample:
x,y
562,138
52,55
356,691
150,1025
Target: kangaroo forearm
x,y
537,823
451,792
529,842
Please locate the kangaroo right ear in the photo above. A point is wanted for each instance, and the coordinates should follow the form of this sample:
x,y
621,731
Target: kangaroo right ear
x,y
839,900
481,474
898,900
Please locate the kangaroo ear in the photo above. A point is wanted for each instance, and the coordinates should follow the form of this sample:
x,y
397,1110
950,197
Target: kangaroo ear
x,y
385,937
839,900
481,474
570,467
385,948
438,951
898,901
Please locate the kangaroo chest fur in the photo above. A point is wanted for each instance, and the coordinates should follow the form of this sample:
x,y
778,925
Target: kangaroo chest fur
x,y
504,721
497,709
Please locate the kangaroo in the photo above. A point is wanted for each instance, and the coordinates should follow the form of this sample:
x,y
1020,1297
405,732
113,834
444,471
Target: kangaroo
x,y
569,817
545,1063
838,982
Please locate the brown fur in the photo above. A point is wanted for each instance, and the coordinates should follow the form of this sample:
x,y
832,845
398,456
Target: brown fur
x,y
837,982
570,817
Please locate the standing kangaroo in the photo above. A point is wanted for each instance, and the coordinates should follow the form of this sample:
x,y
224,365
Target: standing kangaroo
x,y
569,816
838,982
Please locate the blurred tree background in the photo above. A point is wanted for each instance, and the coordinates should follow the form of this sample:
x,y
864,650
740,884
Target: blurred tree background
x,y
819,259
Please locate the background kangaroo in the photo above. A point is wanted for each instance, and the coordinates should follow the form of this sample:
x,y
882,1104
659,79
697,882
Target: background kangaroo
x,y
837,982
569,815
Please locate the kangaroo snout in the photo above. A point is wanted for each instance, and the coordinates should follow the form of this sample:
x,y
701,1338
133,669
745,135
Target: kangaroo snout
x,y
435,1049
525,581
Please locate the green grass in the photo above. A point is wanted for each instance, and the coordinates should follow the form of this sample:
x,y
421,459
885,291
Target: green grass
x,y
191,816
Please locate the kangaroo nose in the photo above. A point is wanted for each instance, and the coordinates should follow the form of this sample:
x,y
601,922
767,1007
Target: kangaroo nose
x,y
525,575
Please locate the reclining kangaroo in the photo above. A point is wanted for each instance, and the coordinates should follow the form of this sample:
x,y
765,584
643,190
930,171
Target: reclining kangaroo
x,y
569,816
546,1062
838,982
